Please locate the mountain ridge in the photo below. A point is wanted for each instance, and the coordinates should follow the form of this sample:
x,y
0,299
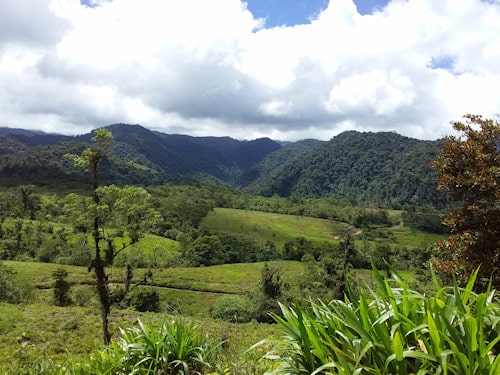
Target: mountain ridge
x,y
380,167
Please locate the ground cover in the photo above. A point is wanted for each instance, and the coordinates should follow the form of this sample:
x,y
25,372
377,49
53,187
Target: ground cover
x,y
34,333
278,228
415,238
227,278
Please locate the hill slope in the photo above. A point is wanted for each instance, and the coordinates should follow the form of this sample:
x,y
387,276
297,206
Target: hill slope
x,y
369,167
378,168
139,156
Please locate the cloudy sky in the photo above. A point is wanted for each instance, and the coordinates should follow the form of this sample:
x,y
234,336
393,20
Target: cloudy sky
x,y
285,69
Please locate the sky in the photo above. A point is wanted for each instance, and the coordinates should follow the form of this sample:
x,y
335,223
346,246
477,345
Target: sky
x,y
284,69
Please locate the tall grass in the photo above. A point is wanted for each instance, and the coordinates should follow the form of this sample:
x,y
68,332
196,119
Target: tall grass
x,y
174,347
392,330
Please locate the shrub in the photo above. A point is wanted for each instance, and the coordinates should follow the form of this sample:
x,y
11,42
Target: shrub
x,y
83,295
234,309
394,331
13,290
61,287
175,347
144,299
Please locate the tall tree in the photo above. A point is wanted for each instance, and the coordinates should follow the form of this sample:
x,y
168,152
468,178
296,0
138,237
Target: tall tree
x,y
90,160
468,168
111,205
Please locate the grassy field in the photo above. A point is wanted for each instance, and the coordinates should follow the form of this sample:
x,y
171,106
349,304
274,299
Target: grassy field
x,y
262,226
415,238
278,228
38,332
191,291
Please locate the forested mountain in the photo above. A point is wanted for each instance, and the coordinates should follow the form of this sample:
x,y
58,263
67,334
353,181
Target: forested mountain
x,y
369,167
138,156
380,167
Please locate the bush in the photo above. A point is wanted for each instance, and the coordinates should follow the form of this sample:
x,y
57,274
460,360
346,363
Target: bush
x,y
13,290
144,299
394,331
175,347
61,287
234,309
83,295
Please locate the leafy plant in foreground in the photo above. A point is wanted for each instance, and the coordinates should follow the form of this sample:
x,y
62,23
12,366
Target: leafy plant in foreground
x,y
175,347
395,330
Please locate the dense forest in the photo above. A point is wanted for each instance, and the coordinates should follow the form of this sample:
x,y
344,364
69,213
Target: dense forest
x,y
381,168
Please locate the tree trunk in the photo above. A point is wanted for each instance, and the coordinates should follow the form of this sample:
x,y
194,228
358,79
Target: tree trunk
x,y
103,292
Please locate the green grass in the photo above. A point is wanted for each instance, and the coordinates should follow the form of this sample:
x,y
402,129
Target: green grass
x,y
40,274
278,228
415,238
191,291
227,278
39,332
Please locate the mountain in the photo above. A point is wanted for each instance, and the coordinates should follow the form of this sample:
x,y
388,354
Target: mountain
x,y
380,167
7,131
383,168
139,155
279,171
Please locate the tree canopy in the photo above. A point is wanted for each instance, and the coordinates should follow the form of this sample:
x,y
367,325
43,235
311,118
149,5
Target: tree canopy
x,y
468,168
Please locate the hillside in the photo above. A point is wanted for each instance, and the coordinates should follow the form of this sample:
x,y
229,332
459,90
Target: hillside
x,y
138,156
368,167
383,168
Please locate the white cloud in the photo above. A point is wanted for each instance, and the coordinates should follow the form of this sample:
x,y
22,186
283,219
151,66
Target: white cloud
x,y
210,68
382,94
277,108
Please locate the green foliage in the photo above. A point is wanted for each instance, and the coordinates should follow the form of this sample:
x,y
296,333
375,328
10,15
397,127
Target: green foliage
x,y
144,299
205,251
234,309
297,248
272,288
174,347
13,290
385,168
395,330
61,287
425,218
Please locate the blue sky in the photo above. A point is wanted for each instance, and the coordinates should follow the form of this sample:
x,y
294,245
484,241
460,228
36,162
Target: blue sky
x,y
212,67
293,12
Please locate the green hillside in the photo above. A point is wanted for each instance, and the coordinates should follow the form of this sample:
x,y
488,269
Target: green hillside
x,y
381,168
368,167
278,228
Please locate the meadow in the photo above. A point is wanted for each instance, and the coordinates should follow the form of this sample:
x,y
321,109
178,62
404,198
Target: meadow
x,y
278,228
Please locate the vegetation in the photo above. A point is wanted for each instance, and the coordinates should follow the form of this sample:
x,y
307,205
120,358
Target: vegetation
x,y
222,266
107,202
385,169
174,347
61,287
392,330
468,168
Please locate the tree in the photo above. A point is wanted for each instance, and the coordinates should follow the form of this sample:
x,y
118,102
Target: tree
x,y
31,202
61,287
468,168
109,205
